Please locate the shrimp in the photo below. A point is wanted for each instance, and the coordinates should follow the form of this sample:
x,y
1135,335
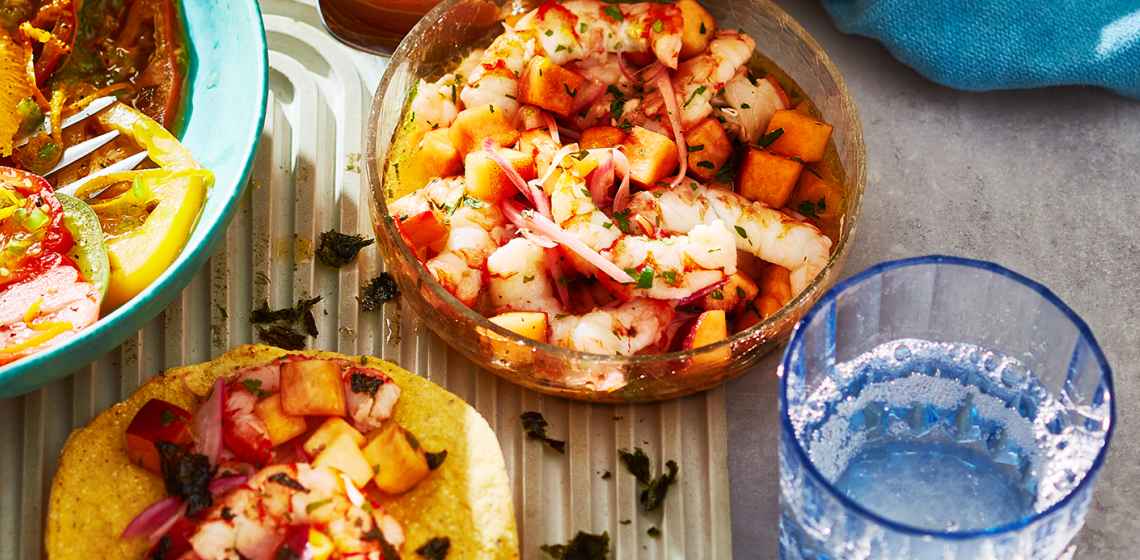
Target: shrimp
x,y
572,207
519,281
370,396
702,77
751,104
244,432
679,265
248,522
769,234
575,29
628,329
475,230
435,103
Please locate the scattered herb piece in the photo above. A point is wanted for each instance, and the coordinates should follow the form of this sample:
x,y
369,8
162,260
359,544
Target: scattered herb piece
x,y
337,249
652,490
287,328
622,221
745,106
702,29
364,384
740,293
694,95
607,475
561,48
812,210
584,546
770,137
740,231
387,551
254,387
717,294
377,291
435,549
288,482
535,427
670,276
227,513
582,27
166,418
653,531
696,148
706,164
613,12
645,278
625,521
549,32
185,475
314,506
434,460
625,126
658,26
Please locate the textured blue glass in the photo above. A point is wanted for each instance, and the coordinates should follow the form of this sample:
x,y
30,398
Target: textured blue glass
x,y
1028,358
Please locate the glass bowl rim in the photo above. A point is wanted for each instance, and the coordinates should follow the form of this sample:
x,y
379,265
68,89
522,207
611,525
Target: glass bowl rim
x,y
856,183
1046,294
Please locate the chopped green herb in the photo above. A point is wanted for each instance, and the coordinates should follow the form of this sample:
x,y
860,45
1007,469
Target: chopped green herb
x,y
491,108
706,164
767,139
314,506
254,387
702,28
337,249
740,231
166,418
380,289
549,32
434,460
286,328
584,546
362,383
812,210
613,12
696,148
625,521
645,278
582,27
653,491
561,48
745,106
625,125
717,294
658,26
227,513
570,92
653,531
608,225
528,278
700,90
740,293
670,276
622,220
535,427
435,549
288,482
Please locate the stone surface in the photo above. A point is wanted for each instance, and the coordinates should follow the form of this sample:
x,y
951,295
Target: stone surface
x,y
1045,182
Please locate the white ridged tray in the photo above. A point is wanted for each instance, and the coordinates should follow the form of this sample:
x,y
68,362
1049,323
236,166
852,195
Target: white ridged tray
x,y
304,182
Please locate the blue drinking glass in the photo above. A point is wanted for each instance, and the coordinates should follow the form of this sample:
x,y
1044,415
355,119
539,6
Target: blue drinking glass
x,y
940,407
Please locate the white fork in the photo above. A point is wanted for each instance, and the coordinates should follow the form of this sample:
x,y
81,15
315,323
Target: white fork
x,y
81,150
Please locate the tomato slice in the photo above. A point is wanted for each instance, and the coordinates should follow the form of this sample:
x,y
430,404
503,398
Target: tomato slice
x,y
45,310
33,237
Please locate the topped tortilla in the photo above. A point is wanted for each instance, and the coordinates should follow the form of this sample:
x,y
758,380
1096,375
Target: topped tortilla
x,y
465,499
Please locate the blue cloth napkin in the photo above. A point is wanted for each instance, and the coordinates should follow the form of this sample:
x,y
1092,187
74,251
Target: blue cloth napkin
x,y
1005,44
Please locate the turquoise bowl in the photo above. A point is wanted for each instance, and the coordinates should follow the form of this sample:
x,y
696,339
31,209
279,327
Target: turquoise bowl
x,y
228,83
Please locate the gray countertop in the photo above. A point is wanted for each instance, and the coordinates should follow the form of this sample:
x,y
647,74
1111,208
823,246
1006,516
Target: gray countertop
x,y
1045,182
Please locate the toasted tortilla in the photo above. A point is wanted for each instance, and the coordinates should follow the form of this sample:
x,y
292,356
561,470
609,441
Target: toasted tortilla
x,y
97,490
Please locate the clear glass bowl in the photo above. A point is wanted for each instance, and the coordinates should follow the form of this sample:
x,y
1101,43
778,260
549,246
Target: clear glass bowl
x,y
456,25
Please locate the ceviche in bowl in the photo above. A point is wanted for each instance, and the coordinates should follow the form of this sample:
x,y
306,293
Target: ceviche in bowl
x,y
614,200
111,186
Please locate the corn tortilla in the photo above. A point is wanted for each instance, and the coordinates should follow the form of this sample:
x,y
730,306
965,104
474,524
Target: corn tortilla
x,y
97,490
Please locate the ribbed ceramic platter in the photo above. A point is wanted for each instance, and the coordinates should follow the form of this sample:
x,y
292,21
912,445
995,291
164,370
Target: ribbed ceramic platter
x,y
305,182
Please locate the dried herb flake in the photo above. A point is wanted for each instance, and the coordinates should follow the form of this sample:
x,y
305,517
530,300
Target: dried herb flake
x,y
337,249
380,289
435,549
584,546
535,427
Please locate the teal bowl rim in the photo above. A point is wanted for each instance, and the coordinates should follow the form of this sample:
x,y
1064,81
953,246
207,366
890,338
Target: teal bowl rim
x,y
32,372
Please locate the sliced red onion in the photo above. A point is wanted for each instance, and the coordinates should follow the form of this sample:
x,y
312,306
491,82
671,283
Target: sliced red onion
x,y
602,179
510,171
546,227
699,294
621,164
161,531
666,87
552,127
208,423
554,163
224,484
514,215
152,518
652,72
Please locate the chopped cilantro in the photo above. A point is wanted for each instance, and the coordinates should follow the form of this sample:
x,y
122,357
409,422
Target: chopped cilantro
x,y
288,482
670,276
745,106
696,148
770,137
166,418
740,293
740,231
812,209
696,92
717,294
314,506
706,164
582,27
613,12
658,26
364,384
549,32
570,92
535,427
561,48
622,220
377,291
584,546
434,549
702,29
645,278
337,249
254,387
